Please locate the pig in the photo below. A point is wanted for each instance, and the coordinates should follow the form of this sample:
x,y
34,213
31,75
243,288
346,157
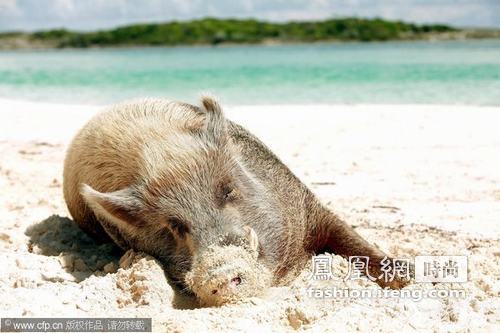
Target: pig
x,y
220,211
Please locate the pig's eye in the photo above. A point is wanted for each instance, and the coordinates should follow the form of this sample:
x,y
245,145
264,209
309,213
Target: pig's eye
x,y
179,226
227,193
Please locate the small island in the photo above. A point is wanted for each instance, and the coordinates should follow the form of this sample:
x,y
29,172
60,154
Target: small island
x,y
212,31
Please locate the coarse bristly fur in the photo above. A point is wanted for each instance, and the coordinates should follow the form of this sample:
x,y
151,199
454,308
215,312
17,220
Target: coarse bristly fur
x,y
185,184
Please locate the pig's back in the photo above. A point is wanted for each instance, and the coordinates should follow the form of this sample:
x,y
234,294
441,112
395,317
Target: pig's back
x,y
293,201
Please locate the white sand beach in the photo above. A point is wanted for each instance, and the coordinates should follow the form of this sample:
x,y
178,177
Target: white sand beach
x,y
413,179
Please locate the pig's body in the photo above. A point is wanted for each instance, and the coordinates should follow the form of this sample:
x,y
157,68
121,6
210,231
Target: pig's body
x,y
173,179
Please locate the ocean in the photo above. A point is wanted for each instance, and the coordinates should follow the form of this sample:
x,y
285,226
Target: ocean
x,y
444,72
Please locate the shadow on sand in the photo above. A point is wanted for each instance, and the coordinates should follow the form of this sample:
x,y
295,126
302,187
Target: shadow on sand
x,y
61,236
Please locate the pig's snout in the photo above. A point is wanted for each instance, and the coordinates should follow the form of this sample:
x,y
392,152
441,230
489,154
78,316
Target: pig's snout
x,y
227,274
227,286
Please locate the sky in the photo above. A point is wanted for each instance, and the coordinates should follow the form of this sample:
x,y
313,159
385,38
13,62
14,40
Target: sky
x,y
30,15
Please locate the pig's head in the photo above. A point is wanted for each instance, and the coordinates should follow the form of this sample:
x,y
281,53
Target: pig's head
x,y
192,207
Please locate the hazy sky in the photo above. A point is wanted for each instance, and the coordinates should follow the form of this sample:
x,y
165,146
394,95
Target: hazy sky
x,y
96,14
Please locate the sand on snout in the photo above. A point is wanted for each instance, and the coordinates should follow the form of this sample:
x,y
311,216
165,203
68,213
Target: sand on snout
x,y
413,179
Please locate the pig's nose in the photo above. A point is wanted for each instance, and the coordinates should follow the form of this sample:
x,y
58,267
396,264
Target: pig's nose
x,y
235,281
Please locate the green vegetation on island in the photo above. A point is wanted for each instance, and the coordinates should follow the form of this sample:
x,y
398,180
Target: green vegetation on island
x,y
211,31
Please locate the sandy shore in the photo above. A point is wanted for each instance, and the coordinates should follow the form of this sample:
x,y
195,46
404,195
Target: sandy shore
x,y
412,179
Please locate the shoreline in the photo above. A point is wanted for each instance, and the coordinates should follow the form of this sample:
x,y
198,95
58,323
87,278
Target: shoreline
x,y
268,43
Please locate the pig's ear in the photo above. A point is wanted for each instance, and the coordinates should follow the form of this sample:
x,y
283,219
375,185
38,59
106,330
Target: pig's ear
x,y
252,239
121,208
215,121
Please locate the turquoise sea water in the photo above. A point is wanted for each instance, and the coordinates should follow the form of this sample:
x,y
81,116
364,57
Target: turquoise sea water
x,y
454,72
